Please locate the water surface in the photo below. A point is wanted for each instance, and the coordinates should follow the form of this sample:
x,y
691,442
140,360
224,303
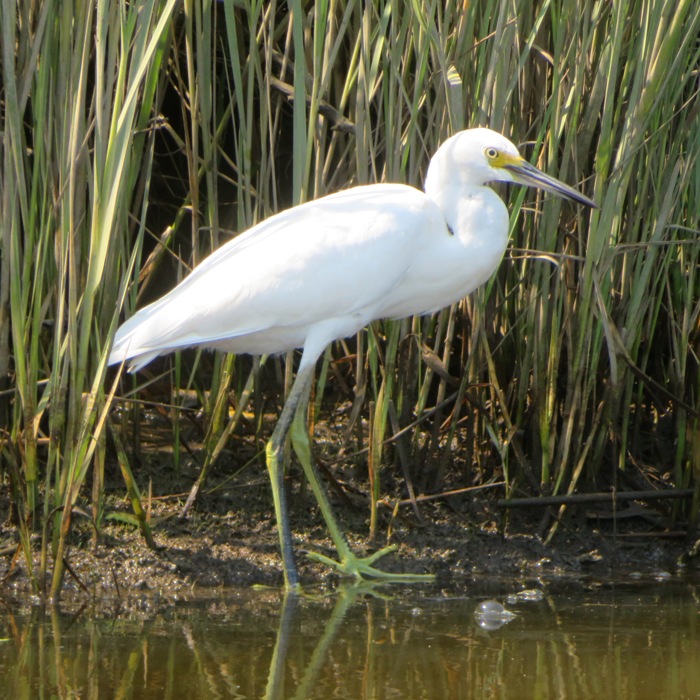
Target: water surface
x,y
631,640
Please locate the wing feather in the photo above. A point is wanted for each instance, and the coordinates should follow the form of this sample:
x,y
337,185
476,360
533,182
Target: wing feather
x,y
338,256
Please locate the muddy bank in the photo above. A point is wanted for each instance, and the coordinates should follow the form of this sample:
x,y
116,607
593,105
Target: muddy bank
x,y
229,540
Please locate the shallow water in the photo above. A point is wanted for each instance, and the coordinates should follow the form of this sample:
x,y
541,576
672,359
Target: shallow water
x,y
635,639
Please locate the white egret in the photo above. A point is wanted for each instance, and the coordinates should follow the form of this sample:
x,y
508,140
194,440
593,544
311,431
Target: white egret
x,y
325,269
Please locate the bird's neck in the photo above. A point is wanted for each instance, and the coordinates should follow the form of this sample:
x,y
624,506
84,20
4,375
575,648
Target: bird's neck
x,y
472,210
436,181
447,187
458,202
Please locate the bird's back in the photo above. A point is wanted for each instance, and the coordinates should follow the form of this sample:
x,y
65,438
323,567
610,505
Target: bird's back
x,y
335,261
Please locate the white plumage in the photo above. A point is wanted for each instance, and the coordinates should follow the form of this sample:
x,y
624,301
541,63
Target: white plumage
x,y
325,269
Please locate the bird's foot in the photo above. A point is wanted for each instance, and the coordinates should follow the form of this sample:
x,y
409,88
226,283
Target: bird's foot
x,y
361,567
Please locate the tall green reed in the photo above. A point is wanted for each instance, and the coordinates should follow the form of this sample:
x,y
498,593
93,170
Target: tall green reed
x,y
562,372
589,88
79,94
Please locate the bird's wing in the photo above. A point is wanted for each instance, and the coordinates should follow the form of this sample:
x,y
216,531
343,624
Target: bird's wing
x,y
336,257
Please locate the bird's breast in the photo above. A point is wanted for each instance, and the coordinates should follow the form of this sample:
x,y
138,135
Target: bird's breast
x,y
457,251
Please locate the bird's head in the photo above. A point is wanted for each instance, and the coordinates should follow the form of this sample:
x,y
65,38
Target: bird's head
x,y
477,156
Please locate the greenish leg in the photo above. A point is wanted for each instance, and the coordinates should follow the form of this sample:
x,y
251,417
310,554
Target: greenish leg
x,y
348,563
276,471
274,454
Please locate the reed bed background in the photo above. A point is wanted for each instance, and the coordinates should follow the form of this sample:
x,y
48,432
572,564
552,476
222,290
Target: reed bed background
x,y
137,137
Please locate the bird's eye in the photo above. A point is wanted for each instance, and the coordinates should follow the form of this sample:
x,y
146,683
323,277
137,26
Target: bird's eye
x,y
491,153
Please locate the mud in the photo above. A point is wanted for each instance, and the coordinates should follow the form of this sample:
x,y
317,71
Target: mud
x,y
229,539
